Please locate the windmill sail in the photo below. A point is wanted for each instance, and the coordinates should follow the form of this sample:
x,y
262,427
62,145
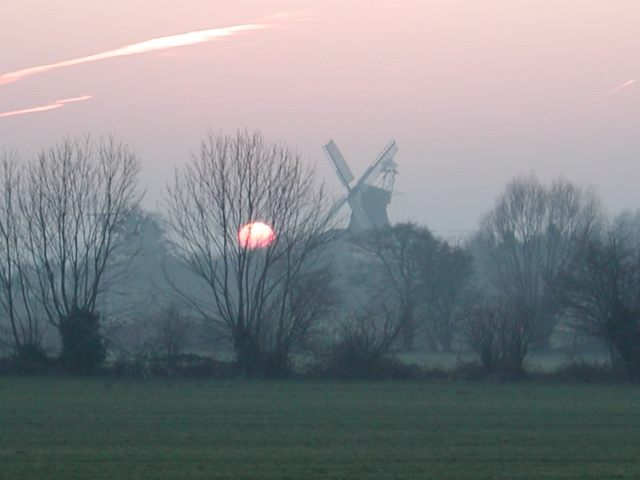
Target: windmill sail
x,y
339,163
370,175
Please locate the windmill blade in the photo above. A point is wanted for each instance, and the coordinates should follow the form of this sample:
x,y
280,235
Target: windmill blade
x,y
370,175
337,206
339,163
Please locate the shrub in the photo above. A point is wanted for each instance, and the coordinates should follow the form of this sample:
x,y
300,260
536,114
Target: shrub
x,y
500,336
29,359
83,348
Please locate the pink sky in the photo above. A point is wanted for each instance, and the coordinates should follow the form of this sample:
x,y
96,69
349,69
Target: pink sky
x,y
474,92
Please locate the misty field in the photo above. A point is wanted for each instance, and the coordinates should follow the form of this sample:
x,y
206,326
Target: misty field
x,y
108,429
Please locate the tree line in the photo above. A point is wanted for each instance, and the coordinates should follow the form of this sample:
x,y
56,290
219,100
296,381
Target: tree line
x,y
544,260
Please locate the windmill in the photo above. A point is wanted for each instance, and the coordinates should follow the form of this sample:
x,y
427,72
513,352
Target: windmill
x,y
369,196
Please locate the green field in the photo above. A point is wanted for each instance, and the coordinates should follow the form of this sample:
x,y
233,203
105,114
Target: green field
x,y
108,429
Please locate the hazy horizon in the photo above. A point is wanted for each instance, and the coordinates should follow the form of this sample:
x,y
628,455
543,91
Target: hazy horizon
x,y
474,93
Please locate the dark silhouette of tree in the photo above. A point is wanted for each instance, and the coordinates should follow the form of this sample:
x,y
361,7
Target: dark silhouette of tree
x,y
444,283
392,268
602,292
16,288
417,277
266,301
77,197
524,243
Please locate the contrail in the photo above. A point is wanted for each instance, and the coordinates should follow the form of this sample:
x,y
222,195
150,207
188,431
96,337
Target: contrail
x,y
45,108
626,84
152,45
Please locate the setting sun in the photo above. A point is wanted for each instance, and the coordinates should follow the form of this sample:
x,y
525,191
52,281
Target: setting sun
x,y
255,235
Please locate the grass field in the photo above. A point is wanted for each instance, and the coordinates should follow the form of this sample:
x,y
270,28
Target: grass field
x,y
107,429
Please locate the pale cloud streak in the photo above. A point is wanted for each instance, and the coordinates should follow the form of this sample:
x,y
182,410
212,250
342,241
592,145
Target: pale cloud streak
x,y
626,84
46,108
152,45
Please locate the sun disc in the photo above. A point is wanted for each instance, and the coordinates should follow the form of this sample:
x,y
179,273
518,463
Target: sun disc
x,y
255,235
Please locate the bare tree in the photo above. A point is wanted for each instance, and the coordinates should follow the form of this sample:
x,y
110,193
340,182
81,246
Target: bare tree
x,y
531,235
418,276
602,292
259,298
16,295
393,268
444,282
78,195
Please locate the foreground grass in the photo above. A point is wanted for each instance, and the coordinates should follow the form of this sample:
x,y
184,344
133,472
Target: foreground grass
x,y
105,429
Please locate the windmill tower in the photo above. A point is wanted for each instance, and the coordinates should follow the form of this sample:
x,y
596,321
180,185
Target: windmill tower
x,y
369,196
